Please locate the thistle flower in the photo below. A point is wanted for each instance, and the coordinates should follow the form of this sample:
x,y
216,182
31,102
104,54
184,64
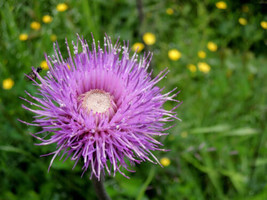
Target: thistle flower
x,y
101,107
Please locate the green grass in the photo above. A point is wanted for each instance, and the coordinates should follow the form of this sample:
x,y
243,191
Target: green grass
x,y
218,151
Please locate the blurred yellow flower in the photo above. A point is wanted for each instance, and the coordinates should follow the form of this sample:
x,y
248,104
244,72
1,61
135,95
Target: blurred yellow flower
x,y
47,19
62,7
264,24
229,73
245,8
44,65
169,11
53,37
192,68
35,26
149,38
184,134
201,54
165,161
203,67
23,37
174,54
68,66
221,5
242,21
212,46
138,46
8,83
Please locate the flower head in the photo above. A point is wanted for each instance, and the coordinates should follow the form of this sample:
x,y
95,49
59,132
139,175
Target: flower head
x,y
8,84
212,46
242,21
264,24
138,47
149,38
47,19
203,67
53,37
221,5
192,68
165,161
245,8
104,109
169,11
23,36
35,26
174,54
44,65
62,7
201,54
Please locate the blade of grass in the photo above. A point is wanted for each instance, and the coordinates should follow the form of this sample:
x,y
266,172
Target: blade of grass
x,y
147,182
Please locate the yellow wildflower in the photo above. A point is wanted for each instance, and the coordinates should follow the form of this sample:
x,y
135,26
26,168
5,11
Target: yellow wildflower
x,y
35,26
264,24
44,65
203,67
165,161
53,37
47,19
229,73
62,7
212,46
242,21
192,68
169,11
8,83
171,137
184,134
23,36
174,54
138,46
245,8
149,38
221,5
201,54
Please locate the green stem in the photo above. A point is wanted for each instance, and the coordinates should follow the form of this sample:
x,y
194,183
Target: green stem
x,y
148,181
100,189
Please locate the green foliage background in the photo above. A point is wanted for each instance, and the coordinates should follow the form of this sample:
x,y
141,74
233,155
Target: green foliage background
x,y
218,151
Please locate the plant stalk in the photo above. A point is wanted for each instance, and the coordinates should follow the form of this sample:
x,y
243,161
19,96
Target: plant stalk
x,y
100,189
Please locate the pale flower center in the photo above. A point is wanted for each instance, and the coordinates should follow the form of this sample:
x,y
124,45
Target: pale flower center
x,y
98,101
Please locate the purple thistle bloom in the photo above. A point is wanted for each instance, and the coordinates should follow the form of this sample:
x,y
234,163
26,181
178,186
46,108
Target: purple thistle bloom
x,y
101,106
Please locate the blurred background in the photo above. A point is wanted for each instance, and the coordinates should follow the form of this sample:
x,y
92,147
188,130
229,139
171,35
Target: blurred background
x,y
216,52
